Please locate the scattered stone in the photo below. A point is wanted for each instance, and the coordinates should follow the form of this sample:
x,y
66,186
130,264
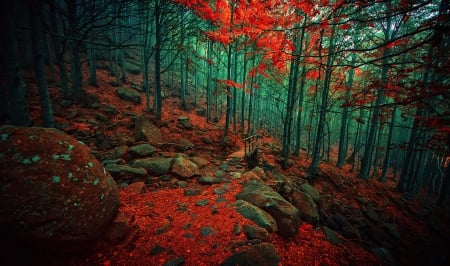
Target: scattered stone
x,y
305,204
157,249
199,161
129,95
183,121
256,232
384,254
182,183
207,231
72,115
203,202
177,261
155,165
311,191
36,160
184,145
362,200
350,232
184,167
120,170
148,132
332,236
142,150
118,229
370,213
214,209
208,180
285,214
336,180
101,117
120,151
257,215
191,192
137,187
255,255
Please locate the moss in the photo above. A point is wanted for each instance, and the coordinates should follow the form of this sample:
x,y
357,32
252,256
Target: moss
x,y
56,179
26,161
36,158
4,136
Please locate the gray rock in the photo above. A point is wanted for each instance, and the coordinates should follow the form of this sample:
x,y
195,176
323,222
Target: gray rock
x,y
119,170
184,167
209,180
285,214
148,132
183,121
305,204
129,95
256,232
155,165
255,255
142,150
257,215
310,190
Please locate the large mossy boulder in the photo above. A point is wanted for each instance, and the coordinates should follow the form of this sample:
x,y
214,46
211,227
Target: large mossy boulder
x,y
54,195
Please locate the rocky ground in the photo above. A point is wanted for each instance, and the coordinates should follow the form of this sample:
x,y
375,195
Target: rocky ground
x,y
185,197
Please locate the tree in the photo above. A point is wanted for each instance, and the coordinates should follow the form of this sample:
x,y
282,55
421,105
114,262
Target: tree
x,y
14,81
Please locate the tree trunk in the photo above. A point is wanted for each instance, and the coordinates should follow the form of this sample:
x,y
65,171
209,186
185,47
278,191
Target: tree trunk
x,y
323,110
387,156
343,144
158,42
14,82
39,64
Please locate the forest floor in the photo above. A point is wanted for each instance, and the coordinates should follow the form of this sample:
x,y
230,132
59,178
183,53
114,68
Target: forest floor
x,y
168,228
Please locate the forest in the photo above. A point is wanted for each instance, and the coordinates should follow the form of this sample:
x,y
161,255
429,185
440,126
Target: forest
x,y
351,98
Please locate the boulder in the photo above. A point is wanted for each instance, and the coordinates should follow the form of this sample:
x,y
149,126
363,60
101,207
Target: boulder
x,y
129,95
256,232
142,150
183,121
148,132
184,145
118,228
120,170
305,204
184,167
154,165
199,161
257,215
255,255
285,214
55,194
311,191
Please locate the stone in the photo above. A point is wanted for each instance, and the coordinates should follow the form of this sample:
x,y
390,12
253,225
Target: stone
x,y
256,232
199,161
208,180
311,191
55,194
118,229
255,255
148,132
142,150
129,95
285,214
136,187
155,165
392,230
184,167
184,145
305,204
183,121
257,215
121,170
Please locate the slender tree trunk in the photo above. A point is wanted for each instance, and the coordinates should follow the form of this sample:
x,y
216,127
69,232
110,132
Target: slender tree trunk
x,y
298,134
387,156
157,48
14,82
39,64
58,48
323,109
343,144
